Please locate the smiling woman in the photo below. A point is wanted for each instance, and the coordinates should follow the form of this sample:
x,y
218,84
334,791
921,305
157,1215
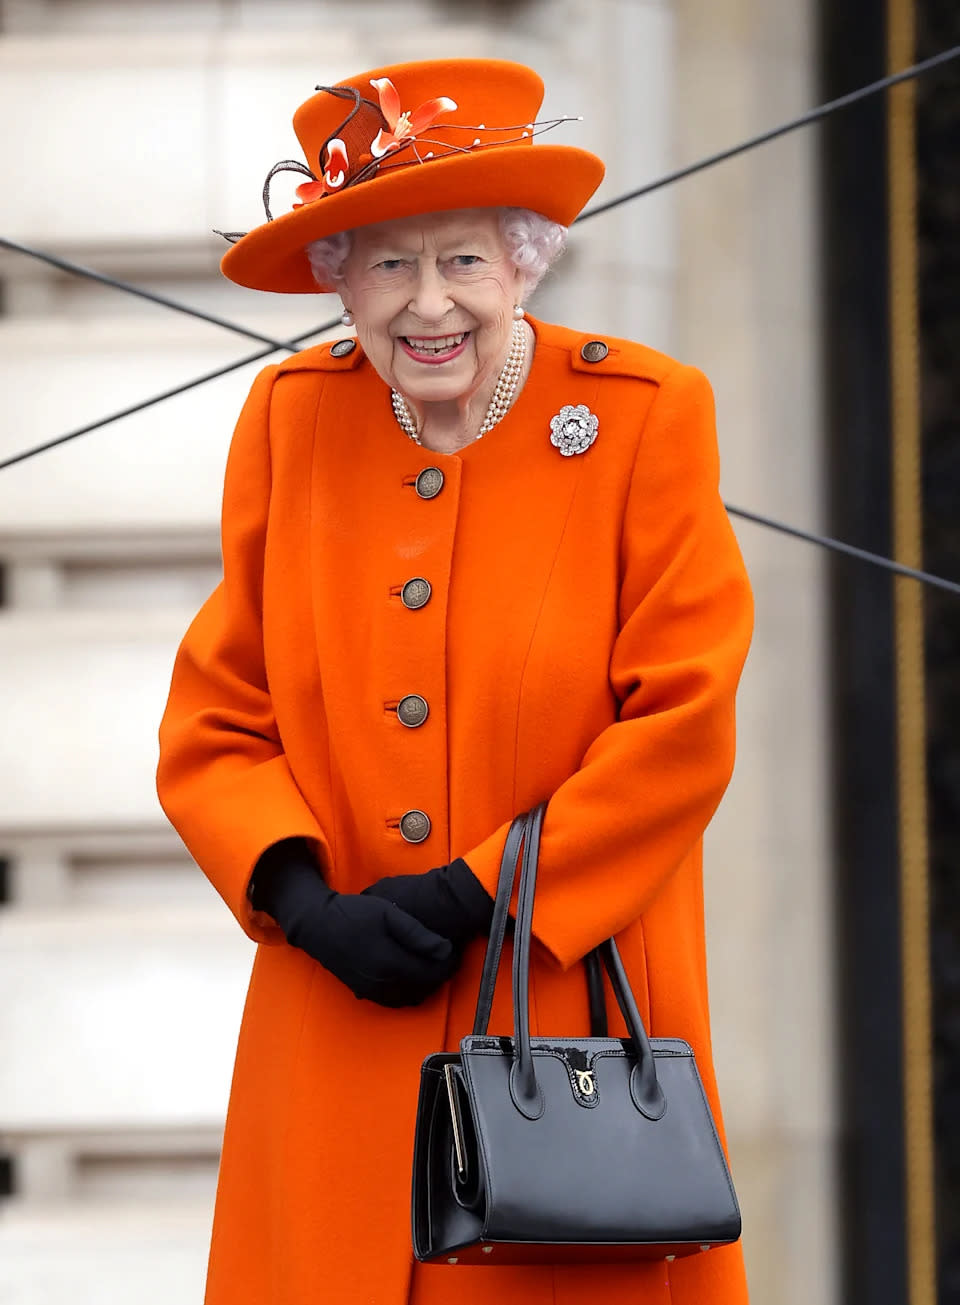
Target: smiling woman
x,y
420,633
435,299
446,288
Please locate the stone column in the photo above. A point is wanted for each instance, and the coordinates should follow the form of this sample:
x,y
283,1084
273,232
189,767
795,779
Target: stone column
x,y
747,313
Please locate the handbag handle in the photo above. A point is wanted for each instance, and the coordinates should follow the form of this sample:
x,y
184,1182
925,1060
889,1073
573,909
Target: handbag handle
x,y
498,925
498,930
525,1091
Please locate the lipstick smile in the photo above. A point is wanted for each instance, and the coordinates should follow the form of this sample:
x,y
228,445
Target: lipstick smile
x,y
434,349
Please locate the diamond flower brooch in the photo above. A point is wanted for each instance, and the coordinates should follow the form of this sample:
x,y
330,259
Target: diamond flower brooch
x,y
573,429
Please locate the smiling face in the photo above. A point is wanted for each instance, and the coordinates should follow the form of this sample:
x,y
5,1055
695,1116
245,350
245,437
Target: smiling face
x,y
432,297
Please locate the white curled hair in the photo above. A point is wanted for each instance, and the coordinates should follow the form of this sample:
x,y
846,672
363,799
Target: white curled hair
x,y
532,241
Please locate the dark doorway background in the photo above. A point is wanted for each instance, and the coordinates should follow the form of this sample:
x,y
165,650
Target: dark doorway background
x,y
856,273
938,220
857,372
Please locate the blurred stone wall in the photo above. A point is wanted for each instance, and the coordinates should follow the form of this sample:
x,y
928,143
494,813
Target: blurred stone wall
x,y
133,129
747,312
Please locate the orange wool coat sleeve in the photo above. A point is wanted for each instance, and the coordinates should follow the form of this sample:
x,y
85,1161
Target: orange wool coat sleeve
x,y
650,782
221,753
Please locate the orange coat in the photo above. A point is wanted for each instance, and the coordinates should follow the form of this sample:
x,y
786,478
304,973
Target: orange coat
x,y
587,625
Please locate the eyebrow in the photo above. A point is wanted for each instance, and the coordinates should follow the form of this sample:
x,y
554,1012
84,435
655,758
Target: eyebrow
x,y
446,250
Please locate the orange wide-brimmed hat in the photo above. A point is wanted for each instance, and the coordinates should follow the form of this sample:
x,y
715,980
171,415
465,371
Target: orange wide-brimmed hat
x,y
413,138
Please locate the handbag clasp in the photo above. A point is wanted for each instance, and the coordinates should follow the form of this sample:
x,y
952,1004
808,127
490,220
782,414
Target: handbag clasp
x,y
585,1082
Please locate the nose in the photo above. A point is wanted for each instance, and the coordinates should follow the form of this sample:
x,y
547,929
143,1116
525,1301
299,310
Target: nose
x,y
430,300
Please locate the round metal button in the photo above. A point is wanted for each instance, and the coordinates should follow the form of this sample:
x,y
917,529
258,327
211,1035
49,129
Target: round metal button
x,y
415,826
429,482
412,710
342,348
416,593
594,351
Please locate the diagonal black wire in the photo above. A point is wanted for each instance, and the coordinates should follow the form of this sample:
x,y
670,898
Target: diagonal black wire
x,y
78,269
668,179
838,546
165,394
805,119
813,115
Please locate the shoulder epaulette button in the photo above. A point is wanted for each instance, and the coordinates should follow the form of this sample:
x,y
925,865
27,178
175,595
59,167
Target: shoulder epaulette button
x,y
342,348
594,351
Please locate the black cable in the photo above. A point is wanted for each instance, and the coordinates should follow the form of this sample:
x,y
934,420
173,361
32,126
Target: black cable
x,y
838,546
824,541
805,119
158,398
813,115
65,265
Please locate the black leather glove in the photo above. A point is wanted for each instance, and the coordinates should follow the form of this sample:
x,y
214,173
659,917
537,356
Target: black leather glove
x,y
379,952
450,900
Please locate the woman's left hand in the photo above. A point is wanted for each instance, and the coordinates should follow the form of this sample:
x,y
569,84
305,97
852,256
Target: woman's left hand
x,y
448,900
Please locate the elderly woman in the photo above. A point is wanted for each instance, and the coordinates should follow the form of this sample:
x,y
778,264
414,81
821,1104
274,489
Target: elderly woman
x,y
471,562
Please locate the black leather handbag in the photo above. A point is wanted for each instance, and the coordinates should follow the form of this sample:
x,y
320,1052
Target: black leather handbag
x,y
565,1148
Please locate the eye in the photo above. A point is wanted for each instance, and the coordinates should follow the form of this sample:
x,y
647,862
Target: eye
x,y
391,264
466,260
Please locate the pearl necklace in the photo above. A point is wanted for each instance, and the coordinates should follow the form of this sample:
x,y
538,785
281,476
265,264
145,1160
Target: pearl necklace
x,y
503,395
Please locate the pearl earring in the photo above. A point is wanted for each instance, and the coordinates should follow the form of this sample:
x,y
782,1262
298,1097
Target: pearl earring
x,y
346,317
518,311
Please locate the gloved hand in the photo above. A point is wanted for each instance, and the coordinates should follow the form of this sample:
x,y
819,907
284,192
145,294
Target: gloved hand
x,y
450,900
379,951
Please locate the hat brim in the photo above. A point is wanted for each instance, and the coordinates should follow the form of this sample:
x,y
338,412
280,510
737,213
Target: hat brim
x,y
555,180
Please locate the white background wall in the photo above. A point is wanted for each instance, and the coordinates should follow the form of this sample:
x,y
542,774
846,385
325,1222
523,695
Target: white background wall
x,y
134,128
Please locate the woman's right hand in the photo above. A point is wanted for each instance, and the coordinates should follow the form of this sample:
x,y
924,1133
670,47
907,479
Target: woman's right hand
x,y
379,951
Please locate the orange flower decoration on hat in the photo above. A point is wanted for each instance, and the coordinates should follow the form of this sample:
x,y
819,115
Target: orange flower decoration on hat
x,y
404,127
368,139
330,180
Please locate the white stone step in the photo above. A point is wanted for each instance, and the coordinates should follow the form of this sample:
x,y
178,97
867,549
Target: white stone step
x,y
81,696
162,467
118,1020
221,111
104,1255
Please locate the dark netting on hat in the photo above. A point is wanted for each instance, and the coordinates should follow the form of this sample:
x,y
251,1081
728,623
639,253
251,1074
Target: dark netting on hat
x,y
361,126
351,137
